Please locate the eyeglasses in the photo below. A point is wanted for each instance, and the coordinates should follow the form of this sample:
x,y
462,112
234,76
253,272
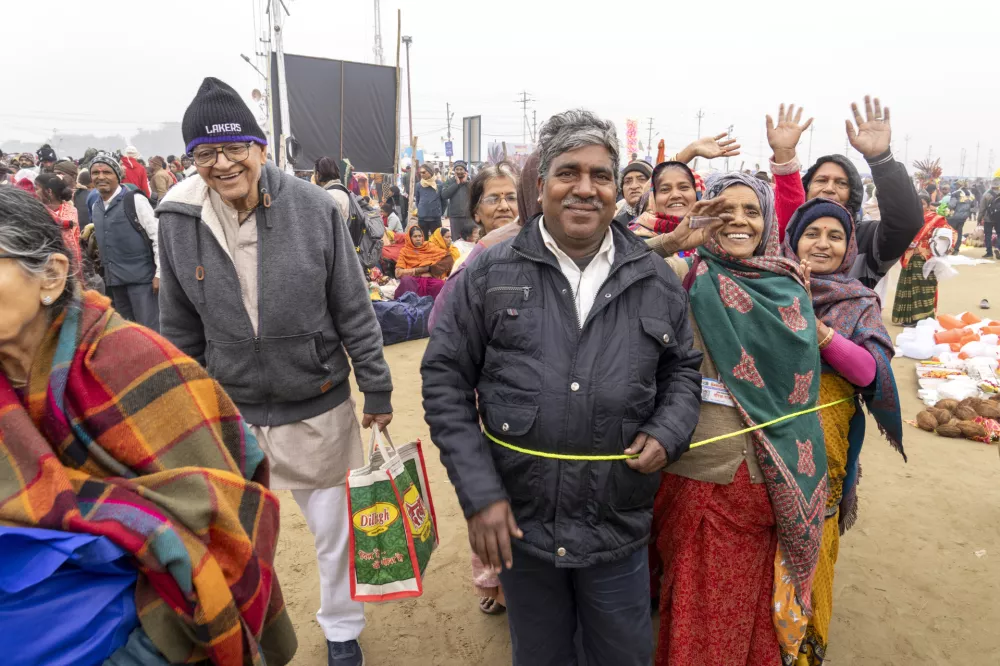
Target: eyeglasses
x,y
4,255
493,200
234,152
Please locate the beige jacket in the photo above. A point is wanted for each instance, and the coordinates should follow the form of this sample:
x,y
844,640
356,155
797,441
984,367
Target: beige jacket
x,y
719,461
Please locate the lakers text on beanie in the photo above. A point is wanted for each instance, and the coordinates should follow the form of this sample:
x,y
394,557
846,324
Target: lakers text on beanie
x,y
217,114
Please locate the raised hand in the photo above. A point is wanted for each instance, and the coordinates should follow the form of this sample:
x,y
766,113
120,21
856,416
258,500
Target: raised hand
x,y
685,238
873,134
710,147
784,137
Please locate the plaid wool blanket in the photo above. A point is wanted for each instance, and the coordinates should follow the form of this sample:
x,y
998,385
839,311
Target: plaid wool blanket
x,y
122,435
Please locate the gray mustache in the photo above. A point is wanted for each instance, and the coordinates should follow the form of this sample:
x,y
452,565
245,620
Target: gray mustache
x,y
574,200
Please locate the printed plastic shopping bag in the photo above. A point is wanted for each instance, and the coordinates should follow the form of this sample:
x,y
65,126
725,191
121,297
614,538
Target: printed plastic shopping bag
x,y
393,527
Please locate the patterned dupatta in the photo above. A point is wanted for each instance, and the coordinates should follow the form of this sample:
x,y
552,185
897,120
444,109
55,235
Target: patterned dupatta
x,y
759,327
854,311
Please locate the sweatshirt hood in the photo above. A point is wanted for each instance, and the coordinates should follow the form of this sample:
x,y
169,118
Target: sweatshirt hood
x,y
853,177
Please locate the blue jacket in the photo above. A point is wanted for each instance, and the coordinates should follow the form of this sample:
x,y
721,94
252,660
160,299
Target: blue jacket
x,y
126,252
428,201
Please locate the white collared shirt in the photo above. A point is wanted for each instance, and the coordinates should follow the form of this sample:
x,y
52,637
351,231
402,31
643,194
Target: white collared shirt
x,y
587,282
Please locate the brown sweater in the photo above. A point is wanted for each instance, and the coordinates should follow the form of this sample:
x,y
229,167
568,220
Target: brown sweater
x,y
716,462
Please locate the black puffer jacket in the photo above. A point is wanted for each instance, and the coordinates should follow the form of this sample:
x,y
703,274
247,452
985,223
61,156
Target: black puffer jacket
x,y
509,333
880,243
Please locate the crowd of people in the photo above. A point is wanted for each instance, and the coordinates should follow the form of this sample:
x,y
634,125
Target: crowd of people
x,y
647,386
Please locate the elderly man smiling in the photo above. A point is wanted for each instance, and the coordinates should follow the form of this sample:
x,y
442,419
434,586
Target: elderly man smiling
x,y
261,284
573,342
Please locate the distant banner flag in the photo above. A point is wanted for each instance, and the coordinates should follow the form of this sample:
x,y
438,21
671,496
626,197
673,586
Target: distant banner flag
x,y
631,136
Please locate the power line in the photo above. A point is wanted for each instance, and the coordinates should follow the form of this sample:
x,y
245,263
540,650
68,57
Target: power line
x,y
524,108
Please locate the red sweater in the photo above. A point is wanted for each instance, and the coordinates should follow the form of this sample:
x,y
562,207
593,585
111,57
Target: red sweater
x,y
788,196
135,174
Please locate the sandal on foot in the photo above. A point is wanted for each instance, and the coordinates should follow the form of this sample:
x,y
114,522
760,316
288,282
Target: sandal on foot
x,y
491,606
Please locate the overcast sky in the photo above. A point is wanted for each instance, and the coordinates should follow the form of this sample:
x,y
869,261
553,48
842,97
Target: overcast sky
x,y
112,67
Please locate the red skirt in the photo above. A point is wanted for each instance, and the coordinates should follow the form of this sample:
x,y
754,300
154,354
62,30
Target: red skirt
x,y
716,545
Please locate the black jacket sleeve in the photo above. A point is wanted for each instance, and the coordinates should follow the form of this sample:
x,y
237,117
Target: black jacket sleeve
x,y
450,373
678,386
901,212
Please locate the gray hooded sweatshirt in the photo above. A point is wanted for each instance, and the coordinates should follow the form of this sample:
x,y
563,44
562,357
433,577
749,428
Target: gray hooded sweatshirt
x,y
313,302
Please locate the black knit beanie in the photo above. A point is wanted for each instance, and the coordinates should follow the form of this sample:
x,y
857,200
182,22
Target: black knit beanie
x,y
641,166
217,114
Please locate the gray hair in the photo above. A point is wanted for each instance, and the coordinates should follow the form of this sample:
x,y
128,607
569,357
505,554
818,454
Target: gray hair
x,y
502,169
28,232
569,130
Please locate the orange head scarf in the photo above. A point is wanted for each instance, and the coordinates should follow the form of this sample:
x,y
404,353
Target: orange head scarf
x,y
431,252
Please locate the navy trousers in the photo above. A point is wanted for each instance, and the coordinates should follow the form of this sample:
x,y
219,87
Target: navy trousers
x,y
594,616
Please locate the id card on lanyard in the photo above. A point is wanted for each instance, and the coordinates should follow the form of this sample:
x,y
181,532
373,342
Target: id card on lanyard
x,y
715,392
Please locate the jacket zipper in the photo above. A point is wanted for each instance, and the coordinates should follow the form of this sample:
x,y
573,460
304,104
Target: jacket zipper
x,y
256,335
526,290
260,305
576,312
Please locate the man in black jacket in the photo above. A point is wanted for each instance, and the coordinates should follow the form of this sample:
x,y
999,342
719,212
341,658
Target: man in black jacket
x,y
989,216
573,341
880,243
456,193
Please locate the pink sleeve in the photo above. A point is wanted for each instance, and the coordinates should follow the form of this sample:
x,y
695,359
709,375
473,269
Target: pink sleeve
x,y
853,362
788,196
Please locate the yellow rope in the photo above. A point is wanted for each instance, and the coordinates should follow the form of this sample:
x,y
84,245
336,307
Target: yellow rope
x,y
566,456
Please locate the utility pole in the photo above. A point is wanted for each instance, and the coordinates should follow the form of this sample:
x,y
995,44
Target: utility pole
x,y
377,49
413,140
524,107
730,136
448,116
929,149
534,123
961,171
278,19
989,165
812,128
701,114
650,142
906,152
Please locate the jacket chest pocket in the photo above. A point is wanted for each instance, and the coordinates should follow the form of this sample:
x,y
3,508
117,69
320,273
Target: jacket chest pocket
x,y
649,338
513,313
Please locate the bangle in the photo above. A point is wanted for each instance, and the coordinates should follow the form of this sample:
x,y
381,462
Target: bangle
x,y
825,342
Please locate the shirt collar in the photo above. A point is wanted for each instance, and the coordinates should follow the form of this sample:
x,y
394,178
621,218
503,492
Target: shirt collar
x,y
607,245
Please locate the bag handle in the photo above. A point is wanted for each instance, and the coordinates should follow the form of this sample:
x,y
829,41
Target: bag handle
x,y
380,438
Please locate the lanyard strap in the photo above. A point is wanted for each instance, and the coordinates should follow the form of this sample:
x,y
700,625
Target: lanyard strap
x,y
566,456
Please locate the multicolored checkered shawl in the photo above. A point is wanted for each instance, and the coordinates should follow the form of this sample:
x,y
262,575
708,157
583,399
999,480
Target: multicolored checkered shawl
x,y
122,435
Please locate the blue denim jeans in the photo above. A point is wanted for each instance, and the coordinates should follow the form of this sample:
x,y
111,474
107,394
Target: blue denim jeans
x,y
593,616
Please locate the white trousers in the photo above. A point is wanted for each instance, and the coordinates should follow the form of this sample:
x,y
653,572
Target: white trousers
x,y
341,618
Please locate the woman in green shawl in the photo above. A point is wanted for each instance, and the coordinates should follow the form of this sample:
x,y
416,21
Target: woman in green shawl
x,y
738,522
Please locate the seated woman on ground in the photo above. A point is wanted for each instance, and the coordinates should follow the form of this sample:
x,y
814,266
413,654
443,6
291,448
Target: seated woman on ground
x,y
423,266
108,430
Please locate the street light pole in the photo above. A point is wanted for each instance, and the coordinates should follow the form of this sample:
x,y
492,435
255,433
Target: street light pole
x,y
413,140
277,9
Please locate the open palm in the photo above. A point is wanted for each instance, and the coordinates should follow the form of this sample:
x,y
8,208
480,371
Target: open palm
x,y
873,133
712,147
784,136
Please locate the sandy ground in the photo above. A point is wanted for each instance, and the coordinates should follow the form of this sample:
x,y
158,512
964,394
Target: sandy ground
x,y
909,587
